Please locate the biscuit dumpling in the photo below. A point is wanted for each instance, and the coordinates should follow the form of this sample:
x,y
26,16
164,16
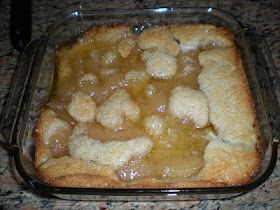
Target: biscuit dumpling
x,y
112,153
82,107
89,77
159,64
189,104
194,36
125,47
52,134
154,125
51,125
159,38
224,83
115,109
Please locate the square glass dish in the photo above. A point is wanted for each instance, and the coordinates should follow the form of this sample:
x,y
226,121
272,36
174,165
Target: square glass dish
x,y
35,74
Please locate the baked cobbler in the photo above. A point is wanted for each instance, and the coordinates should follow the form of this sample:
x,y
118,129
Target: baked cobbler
x,y
169,107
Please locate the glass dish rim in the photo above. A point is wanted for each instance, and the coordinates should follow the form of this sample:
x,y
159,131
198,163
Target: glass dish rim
x,y
143,191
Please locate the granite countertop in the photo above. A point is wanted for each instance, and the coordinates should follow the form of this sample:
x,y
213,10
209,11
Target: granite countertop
x,y
262,17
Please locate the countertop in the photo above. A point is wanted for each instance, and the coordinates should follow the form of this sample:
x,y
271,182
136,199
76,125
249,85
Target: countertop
x,y
263,17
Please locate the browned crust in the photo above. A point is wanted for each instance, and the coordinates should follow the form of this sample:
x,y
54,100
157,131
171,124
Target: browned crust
x,y
231,164
67,171
70,172
81,180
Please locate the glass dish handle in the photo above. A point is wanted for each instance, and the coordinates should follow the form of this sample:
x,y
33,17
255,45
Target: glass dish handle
x,y
11,112
269,82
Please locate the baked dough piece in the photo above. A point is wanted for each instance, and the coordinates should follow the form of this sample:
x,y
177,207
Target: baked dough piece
x,y
115,109
159,64
125,47
231,158
232,164
154,124
193,36
72,172
48,125
108,34
82,107
159,38
231,107
136,76
189,105
112,153
90,78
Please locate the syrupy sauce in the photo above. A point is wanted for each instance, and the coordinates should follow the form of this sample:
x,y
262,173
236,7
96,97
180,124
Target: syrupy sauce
x,y
178,152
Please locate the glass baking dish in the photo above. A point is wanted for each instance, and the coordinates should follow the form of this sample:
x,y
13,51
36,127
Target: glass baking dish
x,y
33,81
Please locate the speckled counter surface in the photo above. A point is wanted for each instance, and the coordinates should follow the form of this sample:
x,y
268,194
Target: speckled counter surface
x,y
262,16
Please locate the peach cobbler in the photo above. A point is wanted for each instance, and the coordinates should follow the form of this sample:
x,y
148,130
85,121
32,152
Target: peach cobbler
x,y
169,107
